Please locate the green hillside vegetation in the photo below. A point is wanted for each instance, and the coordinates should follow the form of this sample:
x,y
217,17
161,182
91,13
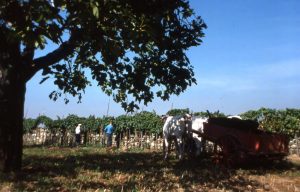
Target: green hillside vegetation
x,y
281,121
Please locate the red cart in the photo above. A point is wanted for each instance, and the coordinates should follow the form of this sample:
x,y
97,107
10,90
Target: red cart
x,y
240,141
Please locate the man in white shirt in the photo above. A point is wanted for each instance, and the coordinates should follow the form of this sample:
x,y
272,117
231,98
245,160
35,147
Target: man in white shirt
x,y
77,134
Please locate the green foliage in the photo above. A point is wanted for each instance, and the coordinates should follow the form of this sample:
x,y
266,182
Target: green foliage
x,y
201,114
71,121
174,112
148,122
252,114
92,124
47,121
282,121
144,121
123,123
129,46
28,124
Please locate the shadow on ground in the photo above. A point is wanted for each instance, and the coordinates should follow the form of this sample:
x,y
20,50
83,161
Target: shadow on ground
x,y
130,171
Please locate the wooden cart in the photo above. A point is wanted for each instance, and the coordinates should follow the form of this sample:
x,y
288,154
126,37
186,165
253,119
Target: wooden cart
x,y
240,141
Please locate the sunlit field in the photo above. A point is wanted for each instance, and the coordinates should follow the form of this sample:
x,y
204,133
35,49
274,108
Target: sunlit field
x,y
97,169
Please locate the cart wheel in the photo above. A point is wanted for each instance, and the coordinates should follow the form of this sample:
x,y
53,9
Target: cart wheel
x,y
229,149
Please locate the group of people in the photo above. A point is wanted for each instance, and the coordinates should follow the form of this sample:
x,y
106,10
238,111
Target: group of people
x,y
108,130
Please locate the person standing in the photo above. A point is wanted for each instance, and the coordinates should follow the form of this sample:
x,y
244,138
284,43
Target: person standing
x,y
77,134
109,129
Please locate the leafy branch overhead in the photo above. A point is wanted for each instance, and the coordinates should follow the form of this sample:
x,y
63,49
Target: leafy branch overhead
x,y
129,47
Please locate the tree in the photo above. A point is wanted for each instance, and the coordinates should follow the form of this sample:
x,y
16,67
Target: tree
x,y
175,112
43,119
280,121
28,124
148,122
129,47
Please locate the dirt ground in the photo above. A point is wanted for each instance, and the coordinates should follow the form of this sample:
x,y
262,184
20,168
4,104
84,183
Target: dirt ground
x,y
95,169
287,180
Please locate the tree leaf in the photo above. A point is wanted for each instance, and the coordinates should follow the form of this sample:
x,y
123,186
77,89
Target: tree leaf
x,y
96,12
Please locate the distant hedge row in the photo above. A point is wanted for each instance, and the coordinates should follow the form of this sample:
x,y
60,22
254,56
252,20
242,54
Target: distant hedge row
x,y
283,121
144,121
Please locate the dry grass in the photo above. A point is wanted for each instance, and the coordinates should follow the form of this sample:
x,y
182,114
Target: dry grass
x,y
95,169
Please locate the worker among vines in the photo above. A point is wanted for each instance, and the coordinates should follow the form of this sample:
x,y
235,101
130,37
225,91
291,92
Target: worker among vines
x,y
109,129
77,135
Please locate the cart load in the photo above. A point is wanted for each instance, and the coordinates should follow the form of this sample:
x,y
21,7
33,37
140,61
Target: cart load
x,y
240,141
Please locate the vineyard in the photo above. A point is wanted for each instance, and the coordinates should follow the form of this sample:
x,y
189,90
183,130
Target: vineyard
x,y
144,130
138,164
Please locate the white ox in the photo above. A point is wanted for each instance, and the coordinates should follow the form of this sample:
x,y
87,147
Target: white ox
x,y
175,128
198,125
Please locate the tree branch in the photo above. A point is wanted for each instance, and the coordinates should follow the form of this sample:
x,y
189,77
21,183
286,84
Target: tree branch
x,y
55,56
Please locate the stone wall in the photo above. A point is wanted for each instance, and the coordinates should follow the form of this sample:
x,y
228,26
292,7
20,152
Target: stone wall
x,y
295,146
44,137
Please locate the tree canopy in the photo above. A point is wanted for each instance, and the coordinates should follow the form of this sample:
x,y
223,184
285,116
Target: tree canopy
x,y
129,46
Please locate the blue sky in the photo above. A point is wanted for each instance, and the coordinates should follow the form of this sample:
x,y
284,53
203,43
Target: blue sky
x,y
250,58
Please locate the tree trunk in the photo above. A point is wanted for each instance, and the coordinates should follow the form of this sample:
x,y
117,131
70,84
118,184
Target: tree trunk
x,y
12,96
11,132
